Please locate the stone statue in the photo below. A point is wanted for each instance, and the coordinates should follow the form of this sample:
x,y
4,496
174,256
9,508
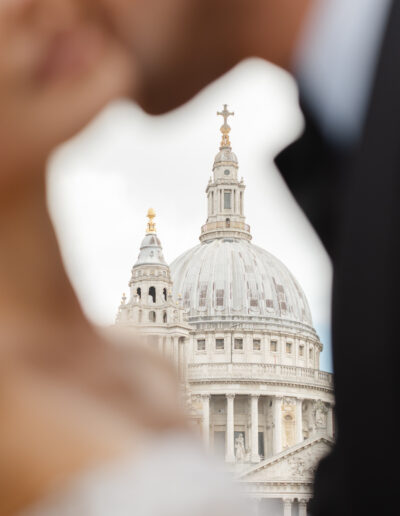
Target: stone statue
x,y
320,414
240,451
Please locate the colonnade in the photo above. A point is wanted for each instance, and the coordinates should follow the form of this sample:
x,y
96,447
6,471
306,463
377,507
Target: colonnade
x,y
172,347
277,403
288,505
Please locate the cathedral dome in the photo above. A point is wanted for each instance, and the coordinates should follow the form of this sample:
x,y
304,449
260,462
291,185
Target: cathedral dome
x,y
234,278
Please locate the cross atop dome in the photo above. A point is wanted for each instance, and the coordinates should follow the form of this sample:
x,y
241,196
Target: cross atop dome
x,y
225,128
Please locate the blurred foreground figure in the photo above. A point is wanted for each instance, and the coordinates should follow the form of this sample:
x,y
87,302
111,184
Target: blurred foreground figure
x,y
344,171
87,428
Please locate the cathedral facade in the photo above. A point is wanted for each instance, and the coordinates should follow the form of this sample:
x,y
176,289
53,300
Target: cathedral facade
x,y
238,327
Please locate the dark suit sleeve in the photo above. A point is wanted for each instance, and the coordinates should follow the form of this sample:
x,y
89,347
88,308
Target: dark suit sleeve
x,y
310,168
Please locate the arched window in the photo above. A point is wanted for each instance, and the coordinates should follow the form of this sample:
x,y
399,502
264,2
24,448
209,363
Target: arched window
x,y
228,223
152,293
165,317
165,294
139,293
152,316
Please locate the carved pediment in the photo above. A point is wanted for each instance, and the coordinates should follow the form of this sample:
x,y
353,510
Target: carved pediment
x,y
296,464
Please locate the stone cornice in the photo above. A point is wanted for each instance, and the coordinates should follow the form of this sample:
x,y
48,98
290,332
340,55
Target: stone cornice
x,y
310,387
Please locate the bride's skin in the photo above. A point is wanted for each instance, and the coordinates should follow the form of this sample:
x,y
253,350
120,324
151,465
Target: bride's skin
x,y
68,400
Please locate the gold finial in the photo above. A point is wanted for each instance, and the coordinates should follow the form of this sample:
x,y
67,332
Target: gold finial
x,y
151,226
225,129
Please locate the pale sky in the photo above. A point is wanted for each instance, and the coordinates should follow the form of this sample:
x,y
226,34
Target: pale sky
x,y
102,183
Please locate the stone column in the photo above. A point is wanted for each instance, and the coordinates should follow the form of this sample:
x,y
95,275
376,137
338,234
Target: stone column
x,y
255,457
171,348
176,352
277,439
206,419
302,507
329,422
287,507
230,428
299,420
182,359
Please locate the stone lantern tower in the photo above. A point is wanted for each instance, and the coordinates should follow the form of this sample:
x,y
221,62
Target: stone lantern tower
x,y
225,193
150,309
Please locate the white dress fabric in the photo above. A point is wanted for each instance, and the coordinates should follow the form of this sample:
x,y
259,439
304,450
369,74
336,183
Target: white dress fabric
x,y
174,478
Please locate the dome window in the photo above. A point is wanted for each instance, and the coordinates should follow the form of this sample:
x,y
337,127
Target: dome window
x,y
152,316
228,223
152,294
256,345
288,347
139,293
238,344
274,346
203,295
226,172
165,317
220,344
227,199
201,345
220,297
301,350
165,294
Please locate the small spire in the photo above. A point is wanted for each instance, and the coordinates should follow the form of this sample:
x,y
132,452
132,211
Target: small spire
x,y
123,300
151,226
225,128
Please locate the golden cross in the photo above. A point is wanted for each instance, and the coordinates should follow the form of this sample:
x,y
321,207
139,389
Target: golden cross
x,y
225,129
225,113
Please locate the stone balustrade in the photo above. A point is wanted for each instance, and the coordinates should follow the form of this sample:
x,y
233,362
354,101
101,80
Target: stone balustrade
x,y
259,372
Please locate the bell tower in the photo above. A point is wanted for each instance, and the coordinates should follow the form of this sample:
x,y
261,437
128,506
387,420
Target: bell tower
x,y
150,309
225,193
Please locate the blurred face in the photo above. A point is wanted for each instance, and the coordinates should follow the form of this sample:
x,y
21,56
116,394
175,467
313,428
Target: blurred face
x,y
179,45
59,64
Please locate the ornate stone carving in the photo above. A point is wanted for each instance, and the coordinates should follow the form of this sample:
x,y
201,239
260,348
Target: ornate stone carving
x,y
288,418
288,402
320,414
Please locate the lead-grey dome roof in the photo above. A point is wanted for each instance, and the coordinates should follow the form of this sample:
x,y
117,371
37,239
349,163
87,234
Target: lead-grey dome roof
x,y
225,154
234,277
150,251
